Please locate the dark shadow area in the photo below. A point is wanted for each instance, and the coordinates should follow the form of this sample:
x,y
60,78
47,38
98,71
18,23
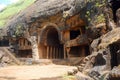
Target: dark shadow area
x,y
74,34
4,42
25,53
79,51
23,48
115,78
99,60
51,48
115,7
115,54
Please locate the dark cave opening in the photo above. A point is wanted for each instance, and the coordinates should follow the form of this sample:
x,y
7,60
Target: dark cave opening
x,y
74,34
115,54
25,53
99,60
51,48
55,47
79,51
4,42
115,4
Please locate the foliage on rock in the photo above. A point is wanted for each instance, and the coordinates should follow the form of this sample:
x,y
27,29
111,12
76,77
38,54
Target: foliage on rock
x,y
94,12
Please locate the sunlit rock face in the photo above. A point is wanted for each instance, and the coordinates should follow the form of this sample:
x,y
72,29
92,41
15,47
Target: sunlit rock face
x,y
106,51
49,33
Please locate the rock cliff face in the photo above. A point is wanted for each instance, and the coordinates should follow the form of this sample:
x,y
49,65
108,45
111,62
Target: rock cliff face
x,y
68,27
105,56
90,11
105,51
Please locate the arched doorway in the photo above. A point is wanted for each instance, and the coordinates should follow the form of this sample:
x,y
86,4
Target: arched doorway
x,y
50,46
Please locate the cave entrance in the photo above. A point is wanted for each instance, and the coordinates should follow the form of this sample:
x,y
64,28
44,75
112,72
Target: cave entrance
x,y
50,47
115,54
79,51
54,48
115,6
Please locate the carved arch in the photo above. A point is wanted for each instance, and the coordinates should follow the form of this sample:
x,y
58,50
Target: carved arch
x,y
43,33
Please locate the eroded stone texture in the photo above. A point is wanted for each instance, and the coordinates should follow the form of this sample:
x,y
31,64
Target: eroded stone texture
x,y
75,23
115,73
118,17
34,45
5,59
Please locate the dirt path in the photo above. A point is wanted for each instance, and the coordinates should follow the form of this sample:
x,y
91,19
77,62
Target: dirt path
x,y
34,72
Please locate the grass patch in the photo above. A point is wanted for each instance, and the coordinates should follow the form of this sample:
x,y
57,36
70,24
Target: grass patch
x,y
13,9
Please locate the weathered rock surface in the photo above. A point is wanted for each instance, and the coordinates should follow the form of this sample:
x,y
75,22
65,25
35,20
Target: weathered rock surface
x,y
5,59
115,73
98,64
107,39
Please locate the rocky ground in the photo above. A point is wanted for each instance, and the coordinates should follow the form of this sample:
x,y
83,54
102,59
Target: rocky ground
x,y
28,71
5,60
35,72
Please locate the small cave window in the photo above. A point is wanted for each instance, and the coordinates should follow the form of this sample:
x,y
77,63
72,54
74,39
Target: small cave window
x,y
4,42
74,34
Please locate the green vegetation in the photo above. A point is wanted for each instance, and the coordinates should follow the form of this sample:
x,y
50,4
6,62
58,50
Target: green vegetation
x,y
66,77
13,9
100,18
94,12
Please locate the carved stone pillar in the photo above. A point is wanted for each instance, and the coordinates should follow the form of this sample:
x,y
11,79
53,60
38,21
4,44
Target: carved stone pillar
x,y
50,52
54,54
34,46
57,54
65,52
68,51
83,54
47,52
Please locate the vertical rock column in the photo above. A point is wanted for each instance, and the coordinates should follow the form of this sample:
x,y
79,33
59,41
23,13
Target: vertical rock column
x,y
48,52
65,57
34,46
54,53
